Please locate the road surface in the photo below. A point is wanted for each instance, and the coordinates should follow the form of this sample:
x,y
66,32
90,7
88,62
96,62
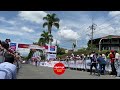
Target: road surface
x,y
32,72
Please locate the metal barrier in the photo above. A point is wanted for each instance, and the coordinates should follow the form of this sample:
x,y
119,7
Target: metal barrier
x,y
78,64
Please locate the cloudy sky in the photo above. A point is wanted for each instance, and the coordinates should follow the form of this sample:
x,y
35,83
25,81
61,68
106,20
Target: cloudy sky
x,y
26,26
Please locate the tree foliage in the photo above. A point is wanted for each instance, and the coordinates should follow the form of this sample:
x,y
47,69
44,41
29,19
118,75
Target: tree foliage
x,y
45,37
30,54
60,51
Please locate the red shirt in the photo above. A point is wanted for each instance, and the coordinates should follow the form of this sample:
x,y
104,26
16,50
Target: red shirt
x,y
112,58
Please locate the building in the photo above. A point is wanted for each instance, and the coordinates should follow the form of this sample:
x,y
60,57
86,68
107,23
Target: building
x,y
110,42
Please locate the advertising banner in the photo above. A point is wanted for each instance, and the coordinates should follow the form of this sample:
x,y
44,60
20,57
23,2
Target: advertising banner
x,y
36,47
51,56
51,49
23,45
78,63
13,46
65,63
71,64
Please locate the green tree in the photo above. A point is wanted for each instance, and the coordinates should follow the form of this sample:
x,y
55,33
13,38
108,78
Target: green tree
x,y
74,46
51,20
91,47
41,42
35,43
60,51
30,54
45,38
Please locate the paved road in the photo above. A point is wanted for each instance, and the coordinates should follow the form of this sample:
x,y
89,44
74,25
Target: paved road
x,y
32,72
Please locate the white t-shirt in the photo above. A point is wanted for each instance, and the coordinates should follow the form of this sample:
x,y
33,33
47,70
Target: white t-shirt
x,y
10,68
91,55
117,55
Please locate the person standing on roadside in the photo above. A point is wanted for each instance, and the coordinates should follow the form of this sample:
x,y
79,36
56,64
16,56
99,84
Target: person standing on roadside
x,y
117,63
39,60
1,54
93,59
36,55
102,64
116,55
112,60
7,69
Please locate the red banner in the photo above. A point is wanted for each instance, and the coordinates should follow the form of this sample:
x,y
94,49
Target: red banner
x,y
23,45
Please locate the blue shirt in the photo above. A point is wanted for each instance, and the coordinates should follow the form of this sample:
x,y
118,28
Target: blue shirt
x,y
3,74
101,60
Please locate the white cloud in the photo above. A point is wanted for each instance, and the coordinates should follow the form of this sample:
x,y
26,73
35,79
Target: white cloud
x,y
78,24
104,30
114,13
9,32
2,19
54,41
69,34
71,24
33,16
107,25
26,29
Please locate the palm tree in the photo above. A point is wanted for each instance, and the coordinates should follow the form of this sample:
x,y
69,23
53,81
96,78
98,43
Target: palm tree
x,y
45,38
51,20
41,42
74,46
35,43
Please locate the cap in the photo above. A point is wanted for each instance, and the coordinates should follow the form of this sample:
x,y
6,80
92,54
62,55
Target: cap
x,y
112,51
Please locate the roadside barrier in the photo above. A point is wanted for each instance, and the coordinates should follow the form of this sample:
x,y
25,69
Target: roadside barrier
x,y
78,64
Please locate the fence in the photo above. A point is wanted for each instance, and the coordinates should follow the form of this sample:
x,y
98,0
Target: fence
x,y
78,64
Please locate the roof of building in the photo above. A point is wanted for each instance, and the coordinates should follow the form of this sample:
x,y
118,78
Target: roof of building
x,y
109,36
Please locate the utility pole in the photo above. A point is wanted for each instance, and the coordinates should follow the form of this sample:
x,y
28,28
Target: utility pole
x,y
56,42
92,27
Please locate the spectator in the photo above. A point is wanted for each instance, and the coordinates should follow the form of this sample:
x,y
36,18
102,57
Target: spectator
x,y
117,66
102,64
9,56
112,60
103,55
8,69
117,63
39,60
17,60
36,62
36,55
93,63
5,44
116,55
1,55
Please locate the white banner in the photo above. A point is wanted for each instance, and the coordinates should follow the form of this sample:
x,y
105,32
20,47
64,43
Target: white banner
x,y
51,56
65,63
72,64
36,47
79,64
42,63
